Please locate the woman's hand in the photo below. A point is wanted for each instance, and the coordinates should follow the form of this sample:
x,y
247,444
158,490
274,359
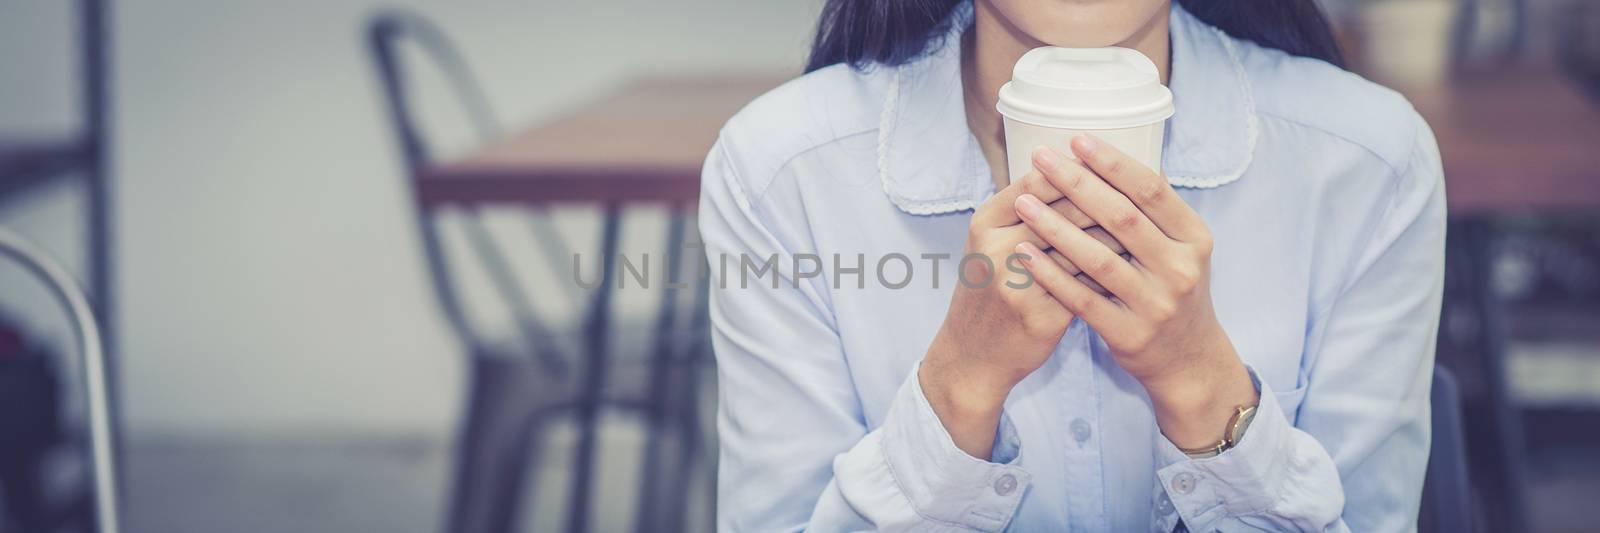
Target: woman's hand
x,y
1001,326
1157,317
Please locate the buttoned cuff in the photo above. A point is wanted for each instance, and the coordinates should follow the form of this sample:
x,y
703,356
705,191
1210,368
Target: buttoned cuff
x,y
944,484
1239,481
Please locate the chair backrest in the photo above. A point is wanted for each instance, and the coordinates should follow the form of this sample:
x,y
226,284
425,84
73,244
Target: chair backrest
x,y
385,33
1447,490
97,392
386,30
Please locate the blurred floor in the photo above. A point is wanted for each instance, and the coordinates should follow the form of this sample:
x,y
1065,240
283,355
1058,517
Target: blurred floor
x,y
293,485
1563,470
1564,483
346,484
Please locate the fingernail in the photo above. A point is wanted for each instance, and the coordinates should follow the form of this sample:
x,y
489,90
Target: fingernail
x,y
1046,159
1087,144
1028,206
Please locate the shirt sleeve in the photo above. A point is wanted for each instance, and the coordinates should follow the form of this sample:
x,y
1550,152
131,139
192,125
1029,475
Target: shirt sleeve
x,y
1354,454
796,452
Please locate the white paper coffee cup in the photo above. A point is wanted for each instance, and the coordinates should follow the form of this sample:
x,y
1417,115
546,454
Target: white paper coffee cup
x,y
1057,93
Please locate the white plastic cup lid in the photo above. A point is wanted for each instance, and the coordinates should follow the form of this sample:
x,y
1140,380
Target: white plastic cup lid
x,y
1085,88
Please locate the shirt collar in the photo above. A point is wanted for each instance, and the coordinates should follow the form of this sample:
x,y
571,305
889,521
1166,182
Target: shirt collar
x,y
930,163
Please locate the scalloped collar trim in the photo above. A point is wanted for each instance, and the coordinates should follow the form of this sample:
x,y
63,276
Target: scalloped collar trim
x,y
930,164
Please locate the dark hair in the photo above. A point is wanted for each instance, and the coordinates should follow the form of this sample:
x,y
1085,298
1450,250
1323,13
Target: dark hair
x,y
893,32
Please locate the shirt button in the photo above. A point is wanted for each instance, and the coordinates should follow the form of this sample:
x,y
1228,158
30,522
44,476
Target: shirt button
x,y
1005,485
1183,482
1081,430
1164,505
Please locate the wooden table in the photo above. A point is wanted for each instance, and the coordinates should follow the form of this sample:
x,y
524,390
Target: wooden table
x,y
644,143
1519,139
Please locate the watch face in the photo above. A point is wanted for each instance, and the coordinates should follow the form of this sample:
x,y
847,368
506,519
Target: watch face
x,y
1246,415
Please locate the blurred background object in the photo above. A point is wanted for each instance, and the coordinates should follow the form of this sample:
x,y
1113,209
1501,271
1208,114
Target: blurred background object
x,y
287,368
1580,44
334,243
1406,41
1508,88
643,145
31,426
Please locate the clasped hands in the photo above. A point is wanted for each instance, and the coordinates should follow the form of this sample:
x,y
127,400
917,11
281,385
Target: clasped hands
x,y
1139,275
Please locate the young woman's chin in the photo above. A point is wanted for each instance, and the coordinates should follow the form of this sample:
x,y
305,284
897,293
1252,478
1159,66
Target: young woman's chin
x,y
1078,23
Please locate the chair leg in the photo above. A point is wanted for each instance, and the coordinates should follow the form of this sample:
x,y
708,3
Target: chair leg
x,y
521,480
485,497
704,445
690,442
514,479
1505,417
594,376
465,504
660,384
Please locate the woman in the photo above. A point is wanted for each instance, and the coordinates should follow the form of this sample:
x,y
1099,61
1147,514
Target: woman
x,y
1259,361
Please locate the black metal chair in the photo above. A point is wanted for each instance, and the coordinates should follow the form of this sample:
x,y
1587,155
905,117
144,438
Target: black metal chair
x,y
102,442
28,163
1447,490
514,396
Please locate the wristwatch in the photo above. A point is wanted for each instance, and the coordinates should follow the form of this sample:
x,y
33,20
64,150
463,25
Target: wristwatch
x,y
1237,423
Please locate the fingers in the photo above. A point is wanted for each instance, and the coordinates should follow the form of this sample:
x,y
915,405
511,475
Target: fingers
x,y
1062,260
1022,292
997,212
1072,293
1105,205
1068,210
1075,271
1149,191
1093,257
1066,265
1100,234
1015,284
1021,233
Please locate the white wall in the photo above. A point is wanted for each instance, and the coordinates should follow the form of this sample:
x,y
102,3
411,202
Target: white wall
x,y
270,279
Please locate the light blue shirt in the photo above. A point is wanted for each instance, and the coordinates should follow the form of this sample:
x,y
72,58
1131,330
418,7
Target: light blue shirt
x,y
1324,195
